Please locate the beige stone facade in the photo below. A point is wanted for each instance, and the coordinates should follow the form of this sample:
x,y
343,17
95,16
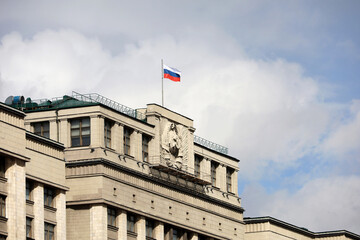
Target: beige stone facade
x,y
104,171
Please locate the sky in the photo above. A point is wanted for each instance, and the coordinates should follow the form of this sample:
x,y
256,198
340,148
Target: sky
x,y
277,82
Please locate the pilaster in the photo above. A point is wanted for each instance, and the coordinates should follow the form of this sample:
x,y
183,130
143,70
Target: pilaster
x,y
221,177
15,200
60,203
141,228
64,132
98,222
159,231
53,130
38,194
122,225
115,137
95,131
205,169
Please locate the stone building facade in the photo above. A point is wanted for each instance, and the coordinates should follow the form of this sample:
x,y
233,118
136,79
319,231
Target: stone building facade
x,y
86,167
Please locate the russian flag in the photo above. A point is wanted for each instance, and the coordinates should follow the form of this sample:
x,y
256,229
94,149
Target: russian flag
x,y
171,73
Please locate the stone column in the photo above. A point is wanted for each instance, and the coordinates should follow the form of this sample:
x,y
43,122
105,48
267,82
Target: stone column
x,y
122,225
60,203
38,222
98,222
15,200
159,231
141,228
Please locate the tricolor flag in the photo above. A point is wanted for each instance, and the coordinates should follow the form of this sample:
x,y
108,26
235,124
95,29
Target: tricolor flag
x,y
171,73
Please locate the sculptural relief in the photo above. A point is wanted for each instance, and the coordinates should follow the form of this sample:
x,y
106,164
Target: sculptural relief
x,y
172,145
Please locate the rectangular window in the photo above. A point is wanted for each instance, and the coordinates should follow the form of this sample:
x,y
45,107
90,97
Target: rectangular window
x,y
2,206
107,133
49,231
42,129
80,132
127,135
131,223
229,173
29,227
197,162
49,195
145,148
2,167
213,173
149,228
111,216
29,188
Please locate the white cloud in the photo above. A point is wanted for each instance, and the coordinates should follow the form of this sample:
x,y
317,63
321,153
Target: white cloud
x,y
320,205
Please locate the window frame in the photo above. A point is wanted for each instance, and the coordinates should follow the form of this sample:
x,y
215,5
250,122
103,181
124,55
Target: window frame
x,y
197,165
2,167
44,132
213,168
229,173
111,212
49,198
3,206
84,139
149,228
127,140
29,227
48,229
131,223
108,124
145,147
29,186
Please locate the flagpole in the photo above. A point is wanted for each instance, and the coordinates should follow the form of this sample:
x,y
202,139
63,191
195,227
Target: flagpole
x,y
162,83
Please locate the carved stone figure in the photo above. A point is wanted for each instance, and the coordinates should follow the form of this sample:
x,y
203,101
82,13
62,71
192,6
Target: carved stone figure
x,y
172,145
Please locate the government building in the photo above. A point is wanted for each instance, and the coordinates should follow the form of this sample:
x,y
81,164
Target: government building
x,y
86,167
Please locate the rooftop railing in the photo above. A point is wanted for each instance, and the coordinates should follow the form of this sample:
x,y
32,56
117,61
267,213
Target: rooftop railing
x,y
211,145
96,98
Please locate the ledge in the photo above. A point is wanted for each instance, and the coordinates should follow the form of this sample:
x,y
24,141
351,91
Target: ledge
x,y
49,208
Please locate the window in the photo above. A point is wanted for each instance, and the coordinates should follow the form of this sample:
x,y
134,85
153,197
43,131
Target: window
x,y
149,228
2,167
49,195
145,148
80,132
229,173
42,129
213,173
197,165
127,134
131,223
107,133
28,227
111,217
2,206
29,188
2,237
176,234
49,231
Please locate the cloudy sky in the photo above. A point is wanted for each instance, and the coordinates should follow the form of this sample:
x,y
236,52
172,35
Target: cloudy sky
x,y
275,81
